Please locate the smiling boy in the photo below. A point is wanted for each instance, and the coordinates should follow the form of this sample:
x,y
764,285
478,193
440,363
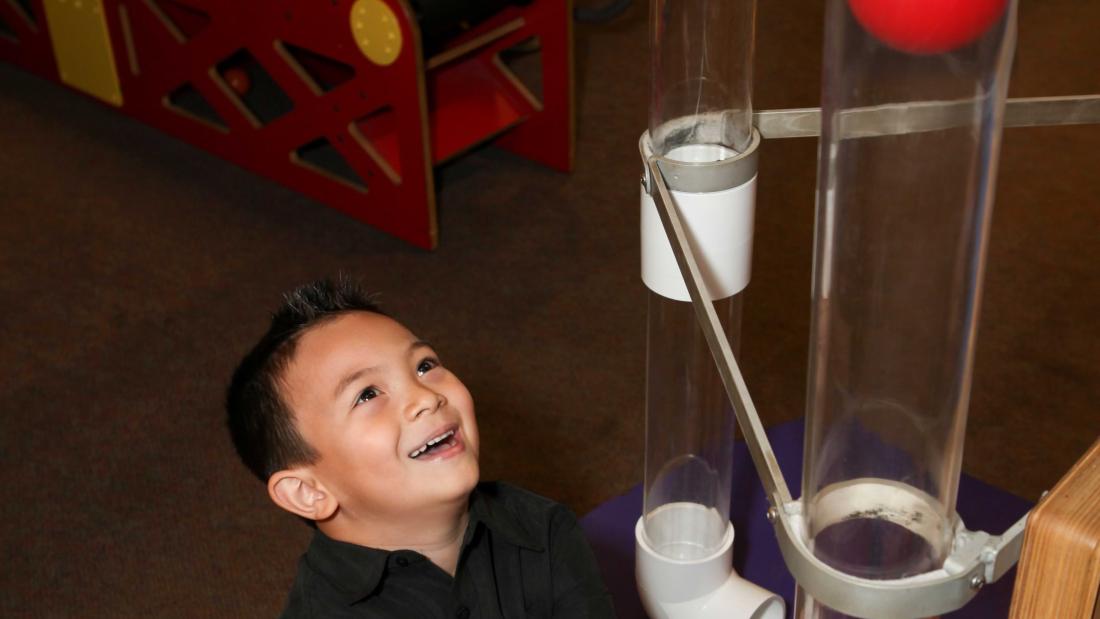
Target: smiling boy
x,y
355,425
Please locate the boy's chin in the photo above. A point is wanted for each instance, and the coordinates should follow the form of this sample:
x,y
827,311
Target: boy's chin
x,y
456,483
465,485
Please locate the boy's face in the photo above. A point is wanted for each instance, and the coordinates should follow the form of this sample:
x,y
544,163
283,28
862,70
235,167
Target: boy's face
x,y
368,396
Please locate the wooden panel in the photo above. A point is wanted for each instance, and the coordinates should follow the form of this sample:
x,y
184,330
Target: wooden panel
x,y
1059,570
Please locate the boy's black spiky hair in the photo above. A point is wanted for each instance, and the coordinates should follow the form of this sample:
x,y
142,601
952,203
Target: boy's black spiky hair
x,y
260,423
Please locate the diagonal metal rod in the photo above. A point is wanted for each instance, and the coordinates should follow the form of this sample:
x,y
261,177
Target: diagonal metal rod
x,y
918,116
759,447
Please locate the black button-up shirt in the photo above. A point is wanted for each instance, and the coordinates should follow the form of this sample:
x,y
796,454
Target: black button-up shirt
x,y
523,556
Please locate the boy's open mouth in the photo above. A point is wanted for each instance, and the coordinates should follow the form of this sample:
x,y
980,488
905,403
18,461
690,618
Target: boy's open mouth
x,y
436,443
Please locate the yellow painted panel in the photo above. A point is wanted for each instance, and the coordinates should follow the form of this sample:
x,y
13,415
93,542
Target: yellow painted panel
x,y
82,46
376,31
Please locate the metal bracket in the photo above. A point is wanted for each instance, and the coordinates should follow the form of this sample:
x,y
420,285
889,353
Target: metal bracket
x,y
917,116
976,558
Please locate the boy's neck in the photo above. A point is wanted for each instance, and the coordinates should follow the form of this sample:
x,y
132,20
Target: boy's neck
x,y
437,535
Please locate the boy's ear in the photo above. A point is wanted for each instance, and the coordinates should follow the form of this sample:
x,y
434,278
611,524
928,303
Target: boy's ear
x,y
300,493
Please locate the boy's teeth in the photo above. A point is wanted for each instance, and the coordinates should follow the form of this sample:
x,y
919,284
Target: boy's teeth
x,y
441,437
416,453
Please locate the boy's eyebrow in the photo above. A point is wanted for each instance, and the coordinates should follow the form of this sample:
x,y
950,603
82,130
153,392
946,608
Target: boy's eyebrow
x,y
351,378
357,374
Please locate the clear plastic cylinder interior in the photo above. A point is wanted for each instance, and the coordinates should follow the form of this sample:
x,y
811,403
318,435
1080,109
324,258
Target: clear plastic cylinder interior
x,y
701,91
700,112
689,432
903,212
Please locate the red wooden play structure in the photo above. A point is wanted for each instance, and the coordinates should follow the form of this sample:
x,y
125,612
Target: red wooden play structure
x,y
333,98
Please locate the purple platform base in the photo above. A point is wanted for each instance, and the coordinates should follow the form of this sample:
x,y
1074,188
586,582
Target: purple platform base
x,y
610,529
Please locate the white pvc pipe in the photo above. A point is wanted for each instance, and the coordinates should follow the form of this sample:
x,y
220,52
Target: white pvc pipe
x,y
719,225
703,588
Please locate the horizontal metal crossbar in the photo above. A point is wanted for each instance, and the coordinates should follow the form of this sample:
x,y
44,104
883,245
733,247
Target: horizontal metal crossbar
x,y
919,116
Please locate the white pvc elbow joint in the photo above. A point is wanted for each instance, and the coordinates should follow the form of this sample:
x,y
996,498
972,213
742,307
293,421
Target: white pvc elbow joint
x,y
706,588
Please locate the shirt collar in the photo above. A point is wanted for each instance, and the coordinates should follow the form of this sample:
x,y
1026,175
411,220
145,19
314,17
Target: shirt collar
x,y
487,508
355,570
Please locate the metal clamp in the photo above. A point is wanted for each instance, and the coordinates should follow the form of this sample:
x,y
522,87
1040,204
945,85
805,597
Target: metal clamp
x,y
976,558
702,177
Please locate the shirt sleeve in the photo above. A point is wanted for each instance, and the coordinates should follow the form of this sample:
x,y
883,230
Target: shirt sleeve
x,y
578,589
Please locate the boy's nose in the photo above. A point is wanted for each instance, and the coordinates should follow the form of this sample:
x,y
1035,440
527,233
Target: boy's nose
x,y
425,401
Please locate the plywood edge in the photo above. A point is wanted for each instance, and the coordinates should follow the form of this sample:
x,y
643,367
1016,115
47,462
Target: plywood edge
x,y
1059,569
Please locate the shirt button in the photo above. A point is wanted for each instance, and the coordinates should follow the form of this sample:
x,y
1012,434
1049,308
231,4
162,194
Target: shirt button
x,y
402,561
462,613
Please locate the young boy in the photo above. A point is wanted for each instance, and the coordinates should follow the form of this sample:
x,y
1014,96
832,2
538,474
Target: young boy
x,y
355,425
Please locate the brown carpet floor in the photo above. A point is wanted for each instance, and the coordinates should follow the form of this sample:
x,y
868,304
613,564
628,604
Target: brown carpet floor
x,y
135,270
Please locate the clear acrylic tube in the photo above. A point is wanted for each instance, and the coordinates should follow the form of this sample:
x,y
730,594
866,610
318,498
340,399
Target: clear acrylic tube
x,y
700,113
903,210
689,431
701,93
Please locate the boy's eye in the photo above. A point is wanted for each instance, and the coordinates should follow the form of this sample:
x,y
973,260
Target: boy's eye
x,y
367,394
426,366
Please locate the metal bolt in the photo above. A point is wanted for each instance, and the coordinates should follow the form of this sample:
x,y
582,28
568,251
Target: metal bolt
x,y
773,514
977,582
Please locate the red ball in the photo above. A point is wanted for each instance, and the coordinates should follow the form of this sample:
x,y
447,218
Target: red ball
x,y
237,79
927,26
